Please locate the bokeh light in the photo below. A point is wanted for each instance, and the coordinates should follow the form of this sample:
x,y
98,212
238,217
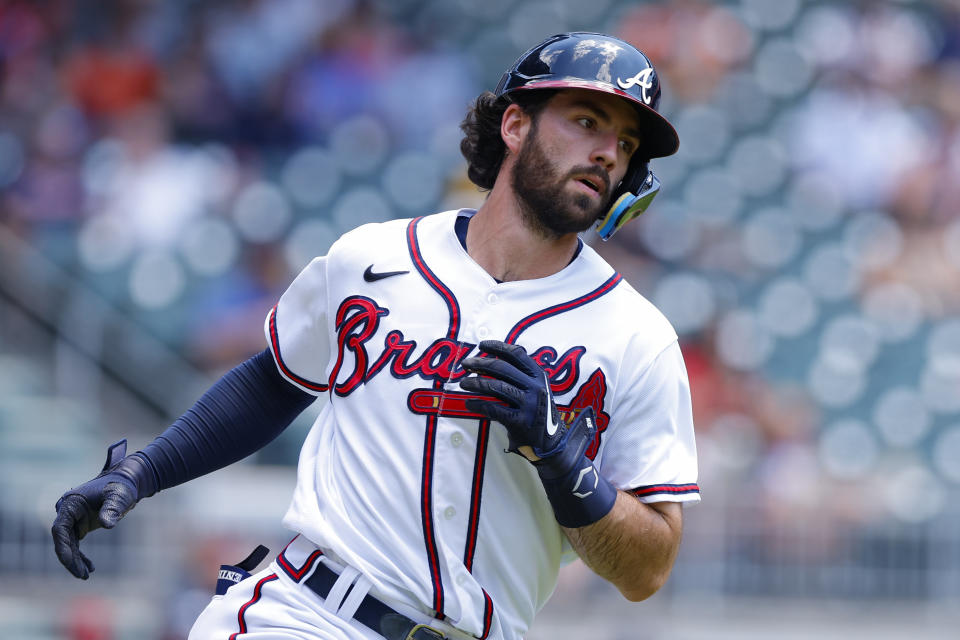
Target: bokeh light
x,y
848,449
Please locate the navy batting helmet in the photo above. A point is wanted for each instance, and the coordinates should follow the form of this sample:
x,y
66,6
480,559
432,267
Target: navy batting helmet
x,y
598,62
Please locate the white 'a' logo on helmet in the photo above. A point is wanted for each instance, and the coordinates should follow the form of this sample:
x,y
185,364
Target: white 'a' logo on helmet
x,y
642,79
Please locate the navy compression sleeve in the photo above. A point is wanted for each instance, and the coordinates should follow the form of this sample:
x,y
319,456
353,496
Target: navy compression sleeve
x,y
242,412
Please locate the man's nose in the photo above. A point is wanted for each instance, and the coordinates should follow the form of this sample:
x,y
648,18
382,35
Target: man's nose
x,y
605,153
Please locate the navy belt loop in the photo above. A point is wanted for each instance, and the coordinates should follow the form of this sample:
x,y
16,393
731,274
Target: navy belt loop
x,y
231,574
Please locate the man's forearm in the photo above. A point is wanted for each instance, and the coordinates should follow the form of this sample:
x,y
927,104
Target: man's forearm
x,y
634,546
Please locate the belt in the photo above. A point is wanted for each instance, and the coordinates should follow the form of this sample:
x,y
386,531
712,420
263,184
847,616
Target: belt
x,y
373,613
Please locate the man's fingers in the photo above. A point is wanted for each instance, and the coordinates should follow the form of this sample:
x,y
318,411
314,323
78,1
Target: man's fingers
x,y
492,387
68,529
64,542
495,411
512,353
496,368
81,567
86,563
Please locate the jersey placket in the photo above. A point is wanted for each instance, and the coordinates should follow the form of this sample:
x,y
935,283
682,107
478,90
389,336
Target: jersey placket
x,y
483,326
428,505
462,444
450,499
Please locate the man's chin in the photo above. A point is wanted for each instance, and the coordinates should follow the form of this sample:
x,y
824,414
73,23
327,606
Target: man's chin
x,y
584,211
573,218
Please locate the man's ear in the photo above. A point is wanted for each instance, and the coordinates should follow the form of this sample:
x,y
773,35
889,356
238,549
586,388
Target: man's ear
x,y
514,127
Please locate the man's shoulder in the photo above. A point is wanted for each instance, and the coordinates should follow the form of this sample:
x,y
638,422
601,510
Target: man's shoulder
x,y
369,240
647,314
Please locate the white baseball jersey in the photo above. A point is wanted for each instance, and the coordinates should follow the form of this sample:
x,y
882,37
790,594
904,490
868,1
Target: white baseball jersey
x,y
399,480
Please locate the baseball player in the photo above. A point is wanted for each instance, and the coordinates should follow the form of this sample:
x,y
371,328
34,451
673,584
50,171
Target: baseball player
x,y
499,399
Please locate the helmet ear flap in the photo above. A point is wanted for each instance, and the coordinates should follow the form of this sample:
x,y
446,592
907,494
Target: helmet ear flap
x,y
636,176
638,189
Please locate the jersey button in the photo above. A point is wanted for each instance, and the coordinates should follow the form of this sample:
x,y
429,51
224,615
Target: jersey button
x,y
449,512
461,579
483,332
456,439
492,298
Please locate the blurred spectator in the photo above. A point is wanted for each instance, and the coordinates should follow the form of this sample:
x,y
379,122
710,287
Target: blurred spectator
x,y
226,325
88,618
49,189
198,103
147,186
27,50
859,136
114,72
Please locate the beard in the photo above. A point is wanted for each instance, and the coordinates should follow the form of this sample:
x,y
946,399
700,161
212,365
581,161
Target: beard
x,y
546,207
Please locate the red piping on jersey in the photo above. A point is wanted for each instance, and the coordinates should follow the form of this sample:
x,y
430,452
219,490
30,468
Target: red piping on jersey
x,y
487,614
431,278
543,314
257,592
275,343
430,434
297,574
483,438
674,489
426,513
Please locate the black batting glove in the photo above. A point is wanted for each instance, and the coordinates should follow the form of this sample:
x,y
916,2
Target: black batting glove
x,y
101,502
519,397
528,410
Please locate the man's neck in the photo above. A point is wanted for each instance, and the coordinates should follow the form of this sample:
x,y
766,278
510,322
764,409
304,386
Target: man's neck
x,y
500,242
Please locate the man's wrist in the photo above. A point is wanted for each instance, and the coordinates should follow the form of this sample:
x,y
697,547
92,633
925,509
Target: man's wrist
x,y
580,497
137,469
577,492
559,462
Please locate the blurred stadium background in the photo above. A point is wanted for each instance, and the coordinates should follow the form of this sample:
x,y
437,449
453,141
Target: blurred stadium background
x,y
167,167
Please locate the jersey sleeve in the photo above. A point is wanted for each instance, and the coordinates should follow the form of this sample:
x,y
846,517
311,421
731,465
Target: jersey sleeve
x,y
650,450
297,329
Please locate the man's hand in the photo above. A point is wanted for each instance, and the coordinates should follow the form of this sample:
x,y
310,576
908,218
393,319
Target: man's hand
x,y
530,413
101,502
523,403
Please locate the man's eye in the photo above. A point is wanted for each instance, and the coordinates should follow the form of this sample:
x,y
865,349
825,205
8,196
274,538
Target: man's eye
x,y
627,146
586,123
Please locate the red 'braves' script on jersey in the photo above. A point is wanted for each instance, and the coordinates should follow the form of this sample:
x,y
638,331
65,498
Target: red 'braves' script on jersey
x,y
357,320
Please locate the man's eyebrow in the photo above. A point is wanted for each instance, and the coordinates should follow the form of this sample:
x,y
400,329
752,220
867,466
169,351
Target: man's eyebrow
x,y
601,113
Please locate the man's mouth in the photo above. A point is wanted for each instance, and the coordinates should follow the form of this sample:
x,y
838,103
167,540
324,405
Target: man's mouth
x,y
593,183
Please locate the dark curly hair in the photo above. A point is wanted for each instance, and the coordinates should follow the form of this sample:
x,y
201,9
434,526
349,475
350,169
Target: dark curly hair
x,y
482,145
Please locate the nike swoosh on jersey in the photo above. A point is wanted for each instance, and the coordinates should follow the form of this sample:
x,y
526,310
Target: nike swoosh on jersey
x,y
552,424
372,276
